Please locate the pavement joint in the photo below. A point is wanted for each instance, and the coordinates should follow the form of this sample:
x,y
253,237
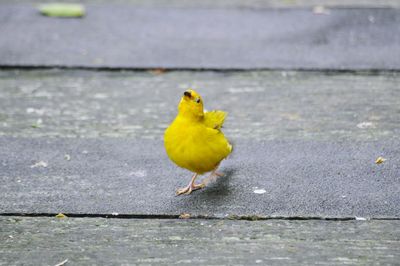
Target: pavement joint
x,y
199,217
353,71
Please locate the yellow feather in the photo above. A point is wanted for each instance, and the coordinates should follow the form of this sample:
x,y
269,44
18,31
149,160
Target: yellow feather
x,y
214,119
194,140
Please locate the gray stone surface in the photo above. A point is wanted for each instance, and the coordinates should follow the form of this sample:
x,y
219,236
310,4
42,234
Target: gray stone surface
x,y
229,3
266,105
105,176
173,37
48,241
308,139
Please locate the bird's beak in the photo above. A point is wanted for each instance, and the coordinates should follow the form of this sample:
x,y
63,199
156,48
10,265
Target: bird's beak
x,y
187,95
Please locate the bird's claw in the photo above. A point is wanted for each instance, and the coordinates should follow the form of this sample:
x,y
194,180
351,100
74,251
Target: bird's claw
x,y
187,190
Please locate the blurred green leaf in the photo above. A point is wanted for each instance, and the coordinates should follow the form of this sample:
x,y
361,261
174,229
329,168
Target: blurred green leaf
x,y
64,10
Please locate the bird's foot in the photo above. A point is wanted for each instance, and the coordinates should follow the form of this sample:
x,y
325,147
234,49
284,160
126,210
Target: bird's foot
x,y
218,174
191,187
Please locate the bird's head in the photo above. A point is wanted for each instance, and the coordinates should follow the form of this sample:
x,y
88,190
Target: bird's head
x,y
191,104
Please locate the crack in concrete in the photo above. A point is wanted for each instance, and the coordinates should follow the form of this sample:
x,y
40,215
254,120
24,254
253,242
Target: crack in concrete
x,y
203,217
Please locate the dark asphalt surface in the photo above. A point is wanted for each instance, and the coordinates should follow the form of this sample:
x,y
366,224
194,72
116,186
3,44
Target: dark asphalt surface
x,y
104,176
240,38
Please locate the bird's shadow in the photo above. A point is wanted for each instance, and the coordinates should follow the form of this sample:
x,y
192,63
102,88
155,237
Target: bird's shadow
x,y
208,199
219,187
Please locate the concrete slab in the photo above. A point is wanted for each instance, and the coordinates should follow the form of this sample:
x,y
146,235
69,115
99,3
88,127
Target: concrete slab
x,y
124,36
94,241
105,176
229,3
265,105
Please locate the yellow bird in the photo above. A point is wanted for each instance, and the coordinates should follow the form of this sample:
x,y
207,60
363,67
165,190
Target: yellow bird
x,y
194,140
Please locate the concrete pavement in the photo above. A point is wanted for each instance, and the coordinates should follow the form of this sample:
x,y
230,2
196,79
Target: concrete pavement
x,y
89,143
264,105
309,139
202,38
263,178
89,241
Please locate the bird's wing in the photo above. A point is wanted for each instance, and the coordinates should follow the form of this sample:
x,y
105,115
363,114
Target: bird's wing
x,y
214,119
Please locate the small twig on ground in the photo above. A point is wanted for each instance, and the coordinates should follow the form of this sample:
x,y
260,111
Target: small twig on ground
x,y
62,263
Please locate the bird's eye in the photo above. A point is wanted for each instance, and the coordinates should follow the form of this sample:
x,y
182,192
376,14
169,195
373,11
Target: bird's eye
x,y
198,100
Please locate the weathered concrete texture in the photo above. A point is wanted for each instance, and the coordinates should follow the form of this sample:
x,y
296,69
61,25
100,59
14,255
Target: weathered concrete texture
x,y
47,241
104,176
228,3
230,38
261,105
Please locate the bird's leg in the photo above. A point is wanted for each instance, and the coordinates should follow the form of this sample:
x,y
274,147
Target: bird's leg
x,y
215,173
191,187
213,176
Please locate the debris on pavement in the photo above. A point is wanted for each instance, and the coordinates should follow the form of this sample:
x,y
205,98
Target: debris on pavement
x,y
158,71
184,216
34,111
37,124
62,263
320,10
67,157
39,164
360,218
64,10
61,215
363,125
380,160
259,190
138,173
